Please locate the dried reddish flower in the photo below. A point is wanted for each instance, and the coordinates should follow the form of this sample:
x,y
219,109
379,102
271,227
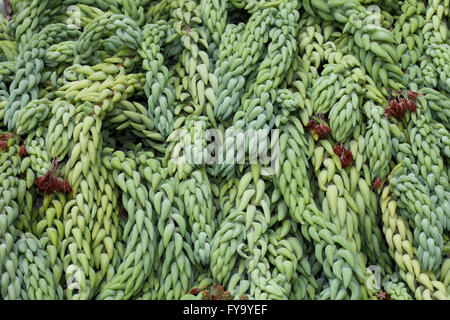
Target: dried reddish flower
x,y
206,295
346,158
65,186
413,95
399,105
50,184
396,110
348,154
377,184
4,141
322,130
46,182
219,293
3,145
195,291
5,136
23,151
227,295
339,149
382,295
411,105
312,124
401,102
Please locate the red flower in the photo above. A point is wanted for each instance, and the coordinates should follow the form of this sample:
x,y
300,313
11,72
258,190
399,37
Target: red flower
x,y
344,155
377,184
5,136
348,154
312,124
206,295
411,105
195,291
339,149
346,158
45,183
23,151
322,130
400,105
397,109
383,296
413,95
66,186
388,112
49,183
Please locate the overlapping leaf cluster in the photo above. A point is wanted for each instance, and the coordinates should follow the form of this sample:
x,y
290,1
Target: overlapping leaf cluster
x,y
94,93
